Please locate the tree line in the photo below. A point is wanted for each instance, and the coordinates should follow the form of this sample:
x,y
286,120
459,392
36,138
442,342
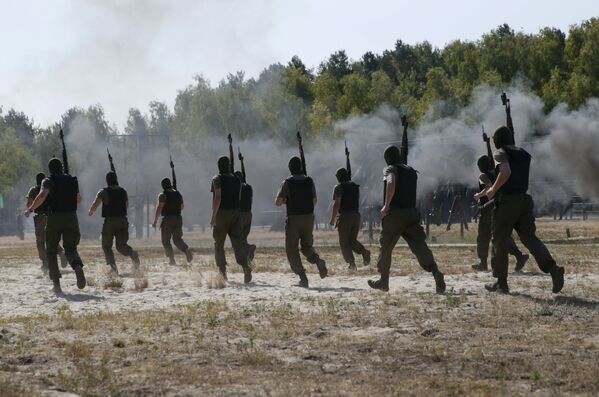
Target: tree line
x,y
559,67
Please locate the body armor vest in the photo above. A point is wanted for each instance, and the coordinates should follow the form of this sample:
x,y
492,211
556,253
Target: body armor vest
x,y
300,197
519,160
350,197
63,196
172,206
117,202
247,194
405,187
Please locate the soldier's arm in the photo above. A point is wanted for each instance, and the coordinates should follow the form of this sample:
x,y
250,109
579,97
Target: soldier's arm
x,y
94,205
504,174
29,202
216,199
159,207
335,210
39,200
389,193
281,195
487,185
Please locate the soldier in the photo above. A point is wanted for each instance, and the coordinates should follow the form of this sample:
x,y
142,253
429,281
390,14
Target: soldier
x,y
346,197
485,221
402,219
298,193
170,204
226,220
61,192
39,222
514,210
114,202
245,213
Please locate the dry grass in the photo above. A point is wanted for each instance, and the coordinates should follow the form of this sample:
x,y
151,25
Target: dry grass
x,y
351,343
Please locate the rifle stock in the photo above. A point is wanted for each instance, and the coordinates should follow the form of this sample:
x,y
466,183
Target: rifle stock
x,y
508,115
173,173
487,140
65,160
301,151
240,156
347,161
404,141
110,161
231,156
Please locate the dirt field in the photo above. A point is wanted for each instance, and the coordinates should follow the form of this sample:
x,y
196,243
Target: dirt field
x,y
166,332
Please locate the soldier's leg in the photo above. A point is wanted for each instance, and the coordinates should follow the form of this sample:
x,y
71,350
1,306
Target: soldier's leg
x,y
514,251
306,230
356,246
178,235
416,238
526,229
107,238
121,236
53,235
292,239
506,212
219,233
483,239
39,223
390,234
165,237
344,228
240,246
70,238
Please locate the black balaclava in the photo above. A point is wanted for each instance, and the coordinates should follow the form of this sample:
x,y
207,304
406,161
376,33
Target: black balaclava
x,y
39,178
55,166
502,137
166,184
224,166
342,175
295,166
111,179
484,164
391,155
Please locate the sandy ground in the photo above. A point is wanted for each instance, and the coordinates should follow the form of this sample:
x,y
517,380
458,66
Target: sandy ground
x,y
169,332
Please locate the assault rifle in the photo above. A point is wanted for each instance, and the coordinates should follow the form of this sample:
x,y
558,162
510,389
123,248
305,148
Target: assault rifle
x,y
404,141
301,151
173,172
347,162
240,156
487,140
110,161
65,160
231,156
508,115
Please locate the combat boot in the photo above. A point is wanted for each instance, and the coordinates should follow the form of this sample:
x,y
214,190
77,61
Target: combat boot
x,y
481,266
439,281
251,252
366,257
80,276
223,272
113,268
499,286
188,256
352,266
520,262
557,276
44,268
247,274
322,268
382,283
135,259
56,288
303,281
172,261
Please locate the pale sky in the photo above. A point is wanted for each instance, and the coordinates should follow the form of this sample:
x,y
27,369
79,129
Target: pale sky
x,y
62,53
